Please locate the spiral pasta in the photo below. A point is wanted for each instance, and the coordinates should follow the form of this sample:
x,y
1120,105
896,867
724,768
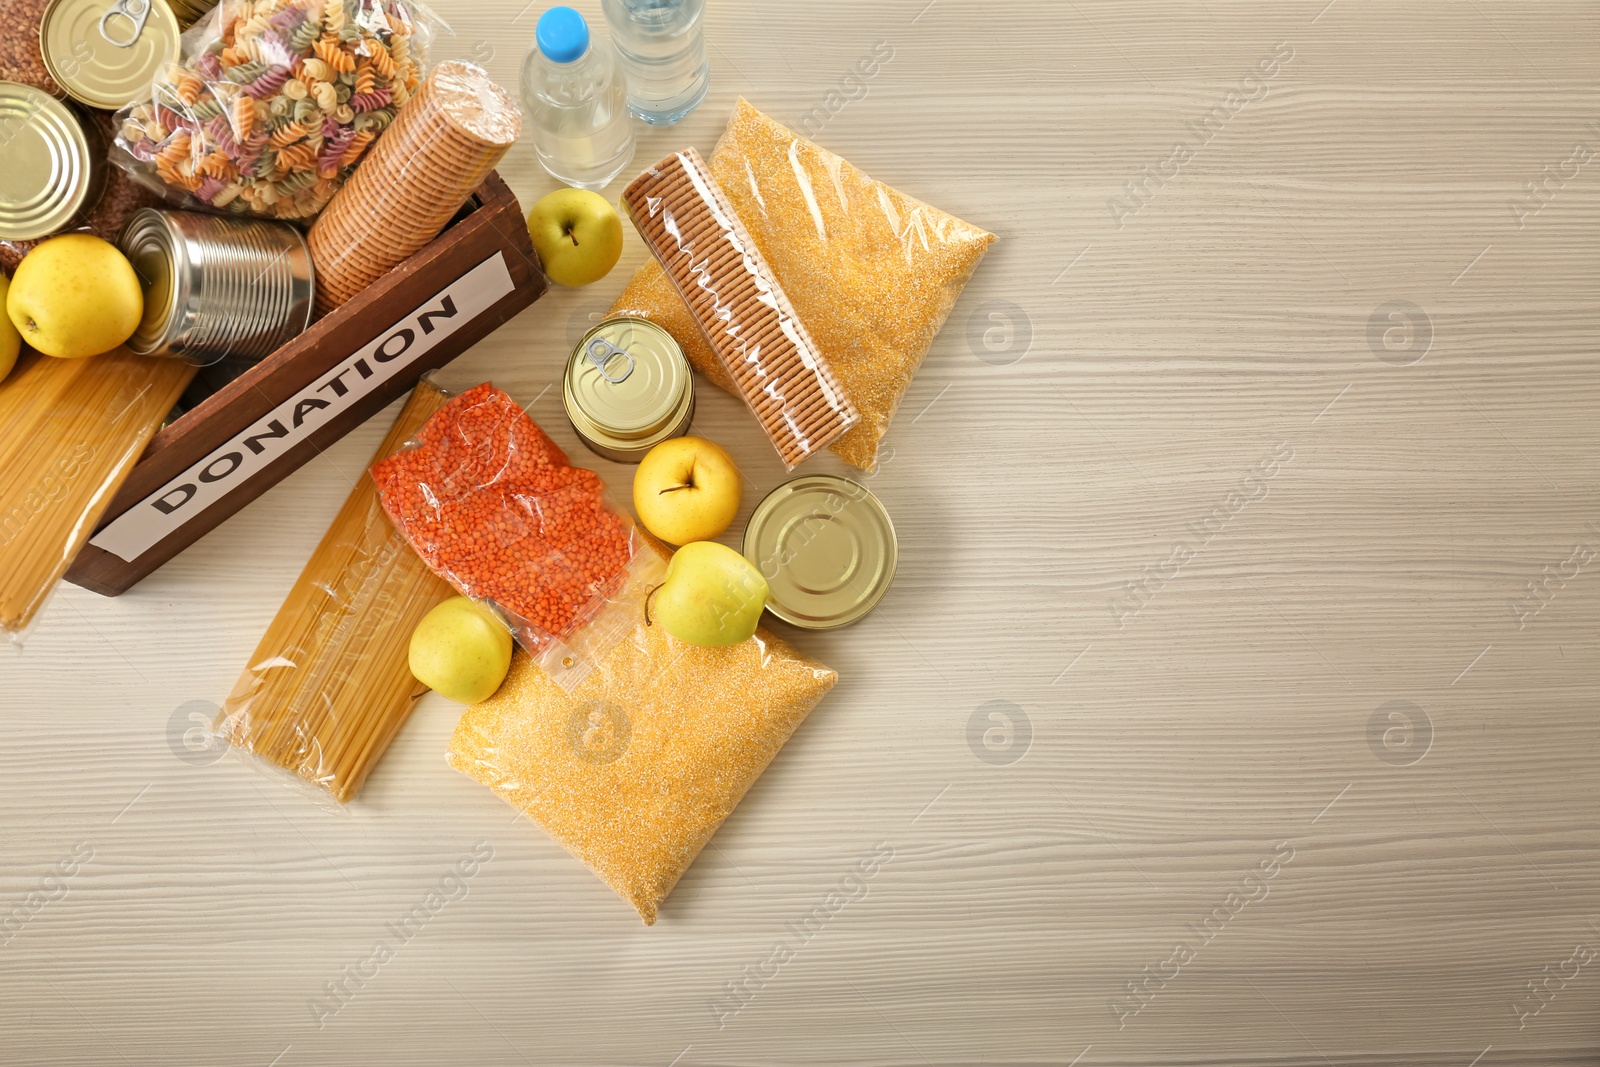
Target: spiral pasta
x,y
270,114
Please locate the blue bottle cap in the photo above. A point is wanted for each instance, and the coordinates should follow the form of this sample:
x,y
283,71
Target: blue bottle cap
x,y
562,35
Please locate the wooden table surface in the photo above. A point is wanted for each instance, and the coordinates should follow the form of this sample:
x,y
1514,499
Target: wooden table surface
x,y
1236,698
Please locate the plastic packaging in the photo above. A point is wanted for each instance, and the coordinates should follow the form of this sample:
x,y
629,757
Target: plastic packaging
x,y
275,102
440,149
764,347
872,272
577,102
663,54
492,505
330,685
634,770
70,431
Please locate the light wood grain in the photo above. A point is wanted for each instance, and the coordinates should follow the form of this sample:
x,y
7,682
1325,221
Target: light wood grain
x,y
1170,755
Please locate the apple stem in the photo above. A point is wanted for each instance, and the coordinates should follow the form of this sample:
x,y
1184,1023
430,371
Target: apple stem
x,y
647,597
573,236
675,488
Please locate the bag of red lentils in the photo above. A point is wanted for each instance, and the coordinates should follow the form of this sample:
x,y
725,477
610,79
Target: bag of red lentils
x,y
492,505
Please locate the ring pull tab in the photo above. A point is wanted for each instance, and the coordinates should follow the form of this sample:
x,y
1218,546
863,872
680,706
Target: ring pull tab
x,y
602,352
135,11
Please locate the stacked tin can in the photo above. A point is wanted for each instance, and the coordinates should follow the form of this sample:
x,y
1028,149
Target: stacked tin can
x,y
54,169
217,288
55,55
106,53
627,388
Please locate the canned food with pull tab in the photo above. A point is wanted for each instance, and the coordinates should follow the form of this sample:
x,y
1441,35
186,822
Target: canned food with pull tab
x,y
627,389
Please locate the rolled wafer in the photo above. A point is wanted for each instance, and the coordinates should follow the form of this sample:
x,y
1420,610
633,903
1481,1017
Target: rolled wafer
x,y
415,177
689,225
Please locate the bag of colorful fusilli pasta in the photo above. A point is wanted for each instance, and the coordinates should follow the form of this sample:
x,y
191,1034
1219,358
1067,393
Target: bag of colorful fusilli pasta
x,y
273,102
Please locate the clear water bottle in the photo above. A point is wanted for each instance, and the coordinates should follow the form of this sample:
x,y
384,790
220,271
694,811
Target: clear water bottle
x,y
576,97
663,54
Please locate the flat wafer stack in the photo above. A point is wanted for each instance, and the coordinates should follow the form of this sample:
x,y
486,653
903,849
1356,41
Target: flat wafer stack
x,y
690,226
441,147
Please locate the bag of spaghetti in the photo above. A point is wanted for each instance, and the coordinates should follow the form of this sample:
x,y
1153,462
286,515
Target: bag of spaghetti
x,y
71,431
274,102
330,684
637,766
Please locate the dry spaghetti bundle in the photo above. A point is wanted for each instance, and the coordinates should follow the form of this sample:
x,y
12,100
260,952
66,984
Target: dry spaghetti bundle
x,y
70,431
329,685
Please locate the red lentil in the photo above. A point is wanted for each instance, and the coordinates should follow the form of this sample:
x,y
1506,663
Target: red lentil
x,y
492,504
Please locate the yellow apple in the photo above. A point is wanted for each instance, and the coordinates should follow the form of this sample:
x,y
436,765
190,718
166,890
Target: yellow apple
x,y
461,651
710,596
10,339
686,489
578,235
75,295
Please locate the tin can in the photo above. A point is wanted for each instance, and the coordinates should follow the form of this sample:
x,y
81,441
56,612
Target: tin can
x,y
627,388
190,12
54,165
826,547
217,288
107,53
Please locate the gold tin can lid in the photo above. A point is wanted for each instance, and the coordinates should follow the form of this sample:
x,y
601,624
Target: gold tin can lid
x,y
106,53
827,548
49,171
627,388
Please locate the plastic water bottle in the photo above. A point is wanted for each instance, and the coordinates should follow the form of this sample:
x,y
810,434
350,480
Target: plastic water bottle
x,y
663,54
577,102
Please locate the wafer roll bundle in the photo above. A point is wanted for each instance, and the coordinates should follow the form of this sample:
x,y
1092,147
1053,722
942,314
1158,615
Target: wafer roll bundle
x,y
690,226
441,147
